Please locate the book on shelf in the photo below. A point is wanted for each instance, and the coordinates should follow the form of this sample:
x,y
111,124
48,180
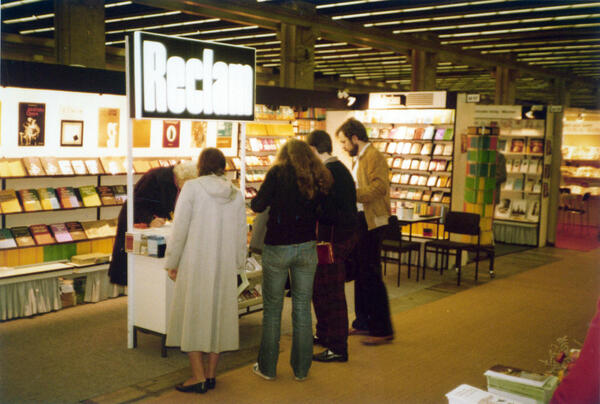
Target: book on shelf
x,y
418,195
65,167
110,165
518,185
397,163
501,147
414,180
48,198
428,133
406,164
419,132
449,182
441,182
437,196
381,146
41,234
518,209
76,231
67,197
79,167
426,196
536,146
529,183
22,236
107,196
404,178
442,165
415,148
423,165
403,193
533,211
16,169
422,180
120,192
503,208
112,226
396,178
517,145
410,194
33,165
410,133
438,150
61,233
50,165
4,168
141,166
414,164
6,239
9,202
432,180
29,200
93,166
96,229
509,184
439,134
89,196
516,166
427,149
448,149
391,148
448,134
405,148
535,166
448,165
524,166
537,187
432,165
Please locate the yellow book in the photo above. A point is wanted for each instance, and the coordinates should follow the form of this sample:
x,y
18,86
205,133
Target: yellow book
x,y
4,171
16,169
89,196
9,201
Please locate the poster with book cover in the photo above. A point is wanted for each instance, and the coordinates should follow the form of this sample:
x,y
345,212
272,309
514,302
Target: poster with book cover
x,y
171,133
199,129
32,121
141,132
224,134
517,145
108,127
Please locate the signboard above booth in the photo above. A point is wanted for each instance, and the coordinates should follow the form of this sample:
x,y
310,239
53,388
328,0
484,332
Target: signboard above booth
x,y
180,78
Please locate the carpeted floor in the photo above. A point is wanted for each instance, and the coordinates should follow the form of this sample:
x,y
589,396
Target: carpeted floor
x,y
80,353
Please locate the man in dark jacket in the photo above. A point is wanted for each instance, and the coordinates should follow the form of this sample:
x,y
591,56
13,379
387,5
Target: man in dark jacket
x,y
329,298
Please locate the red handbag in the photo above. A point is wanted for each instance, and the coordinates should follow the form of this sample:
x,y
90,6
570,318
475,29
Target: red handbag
x,y
325,250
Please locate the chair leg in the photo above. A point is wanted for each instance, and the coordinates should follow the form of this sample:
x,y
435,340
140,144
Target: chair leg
x,y
476,265
419,262
409,262
399,267
458,266
492,255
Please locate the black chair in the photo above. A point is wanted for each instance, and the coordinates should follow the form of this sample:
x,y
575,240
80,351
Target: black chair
x,y
460,223
393,242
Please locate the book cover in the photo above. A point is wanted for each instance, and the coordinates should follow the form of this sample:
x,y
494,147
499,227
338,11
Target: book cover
x,y
439,133
448,134
529,183
518,209
110,165
96,229
61,233
501,145
67,198
4,172
406,164
406,148
403,193
22,236
396,178
50,165
536,146
404,179
437,196
517,375
108,127
537,187
535,166
428,134
509,163
524,166
16,169
33,165
397,163
442,165
426,196
414,164
422,180
419,132
391,148
432,180
141,132
107,195
48,198
518,185
509,184
516,166
503,208
32,120
89,196
427,149
29,200
448,149
445,197
441,182
9,202
418,195
517,145
410,133
423,165
533,211
6,239
432,165
41,234
76,231
120,192
171,129
93,166
79,167
438,150
65,167
415,148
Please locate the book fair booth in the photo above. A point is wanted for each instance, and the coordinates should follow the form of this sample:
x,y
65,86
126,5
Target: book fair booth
x,y
71,152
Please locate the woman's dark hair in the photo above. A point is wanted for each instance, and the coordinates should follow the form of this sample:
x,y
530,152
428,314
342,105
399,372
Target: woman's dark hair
x,y
211,161
353,127
320,140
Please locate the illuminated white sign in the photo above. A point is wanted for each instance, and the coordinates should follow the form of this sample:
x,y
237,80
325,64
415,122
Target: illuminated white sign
x,y
183,78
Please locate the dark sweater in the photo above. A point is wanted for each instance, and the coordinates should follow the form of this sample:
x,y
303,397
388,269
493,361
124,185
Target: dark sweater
x,y
292,217
343,198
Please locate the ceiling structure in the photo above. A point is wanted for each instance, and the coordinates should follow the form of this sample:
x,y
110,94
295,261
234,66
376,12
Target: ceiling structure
x,y
365,44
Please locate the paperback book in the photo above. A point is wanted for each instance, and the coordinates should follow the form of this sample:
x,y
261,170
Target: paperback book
x,y
33,165
41,234
6,239
428,134
9,202
30,200
67,198
65,167
107,195
16,169
89,196
93,167
517,145
61,233
48,198
79,167
22,236
50,165
76,231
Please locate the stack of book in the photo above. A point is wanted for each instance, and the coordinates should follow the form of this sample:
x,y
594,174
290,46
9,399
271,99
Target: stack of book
x,y
521,385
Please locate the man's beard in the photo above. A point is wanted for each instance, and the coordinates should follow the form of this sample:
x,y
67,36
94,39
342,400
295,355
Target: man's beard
x,y
354,151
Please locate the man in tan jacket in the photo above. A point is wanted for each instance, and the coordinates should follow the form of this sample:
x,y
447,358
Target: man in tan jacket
x,y
371,174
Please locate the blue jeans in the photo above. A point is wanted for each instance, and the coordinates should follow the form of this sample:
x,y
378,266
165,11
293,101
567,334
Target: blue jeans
x,y
301,261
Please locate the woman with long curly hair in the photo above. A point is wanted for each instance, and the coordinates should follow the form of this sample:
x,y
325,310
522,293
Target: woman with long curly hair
x,y
295,191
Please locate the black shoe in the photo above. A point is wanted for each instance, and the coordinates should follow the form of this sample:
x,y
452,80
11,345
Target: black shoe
x,y
211,383
329,356
192,388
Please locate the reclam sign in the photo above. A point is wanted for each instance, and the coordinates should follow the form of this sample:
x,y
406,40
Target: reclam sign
x,y
184,78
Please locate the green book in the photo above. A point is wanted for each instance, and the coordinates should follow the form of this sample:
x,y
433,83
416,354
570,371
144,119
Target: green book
x,y
89,196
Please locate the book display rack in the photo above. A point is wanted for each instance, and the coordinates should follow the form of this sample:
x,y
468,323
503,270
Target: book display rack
x,y
419,146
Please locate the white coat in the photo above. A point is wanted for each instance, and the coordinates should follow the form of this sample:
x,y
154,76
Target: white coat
x,y
207,245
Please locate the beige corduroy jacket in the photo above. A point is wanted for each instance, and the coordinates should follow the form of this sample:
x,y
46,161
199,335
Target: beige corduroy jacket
x,y
373,189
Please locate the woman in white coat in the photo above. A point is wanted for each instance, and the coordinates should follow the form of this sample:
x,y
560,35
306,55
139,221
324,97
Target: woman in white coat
x,y
206,248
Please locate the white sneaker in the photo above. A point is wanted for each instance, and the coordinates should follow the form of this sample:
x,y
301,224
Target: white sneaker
x,y
256,370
